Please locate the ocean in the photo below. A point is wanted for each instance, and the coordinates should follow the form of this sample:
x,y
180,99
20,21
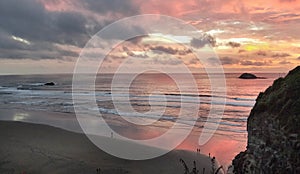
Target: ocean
x,y
27,94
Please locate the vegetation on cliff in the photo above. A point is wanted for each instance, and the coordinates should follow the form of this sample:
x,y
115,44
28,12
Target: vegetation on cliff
x,y
273,130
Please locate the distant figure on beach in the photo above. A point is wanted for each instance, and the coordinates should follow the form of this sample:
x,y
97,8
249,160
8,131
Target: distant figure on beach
x,y
111,135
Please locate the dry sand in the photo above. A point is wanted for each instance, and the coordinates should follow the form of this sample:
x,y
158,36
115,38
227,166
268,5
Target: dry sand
x,y
42,149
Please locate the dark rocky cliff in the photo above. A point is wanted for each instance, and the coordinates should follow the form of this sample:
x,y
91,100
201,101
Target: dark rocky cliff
x,y
273,130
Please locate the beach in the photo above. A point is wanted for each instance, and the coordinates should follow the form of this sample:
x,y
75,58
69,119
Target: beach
x,y
149,87
35,148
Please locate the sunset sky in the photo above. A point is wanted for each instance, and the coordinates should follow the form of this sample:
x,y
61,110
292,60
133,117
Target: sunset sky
x,y
46,36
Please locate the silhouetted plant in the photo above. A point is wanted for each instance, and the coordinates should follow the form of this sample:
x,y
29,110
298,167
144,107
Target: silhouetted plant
x,y
229,167
217,171
213,165
186,169
195,171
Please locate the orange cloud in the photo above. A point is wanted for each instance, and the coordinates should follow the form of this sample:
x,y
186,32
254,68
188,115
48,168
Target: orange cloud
x,y
172,8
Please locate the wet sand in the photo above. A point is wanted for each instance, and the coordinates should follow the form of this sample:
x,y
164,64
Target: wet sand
x,y
35,148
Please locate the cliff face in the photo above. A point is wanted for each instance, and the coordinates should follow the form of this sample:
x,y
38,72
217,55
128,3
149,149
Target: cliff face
x,y
273,130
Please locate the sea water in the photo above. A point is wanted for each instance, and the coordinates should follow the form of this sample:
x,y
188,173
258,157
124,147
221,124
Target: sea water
x,y
147,92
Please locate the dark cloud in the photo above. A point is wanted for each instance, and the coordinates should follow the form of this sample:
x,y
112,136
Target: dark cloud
x,y
203,40
13,49
118,58
124,7
43,29
121,32
284,62
36,55
92,55
284,17
261,53
287,0
162,49
229,61
281,55
255,63
6,41
169,50
167,61
194,61
29,19
233,61
233,44
224,61
70,22
138,39
184,52
213,61
198,43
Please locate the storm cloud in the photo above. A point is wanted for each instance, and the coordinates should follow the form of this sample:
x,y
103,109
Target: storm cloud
x,y
116,6
29,30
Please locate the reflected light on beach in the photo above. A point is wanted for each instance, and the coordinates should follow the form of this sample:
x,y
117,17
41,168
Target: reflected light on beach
x,y
222,147
20,116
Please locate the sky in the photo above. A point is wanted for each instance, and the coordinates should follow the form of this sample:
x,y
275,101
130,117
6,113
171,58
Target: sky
x,y
47,36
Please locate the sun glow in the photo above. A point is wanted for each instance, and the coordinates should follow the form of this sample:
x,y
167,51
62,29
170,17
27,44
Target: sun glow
x,y
256,47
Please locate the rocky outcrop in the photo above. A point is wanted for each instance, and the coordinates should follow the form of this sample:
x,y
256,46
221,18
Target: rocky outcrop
x,y
248,76
273,130
49,84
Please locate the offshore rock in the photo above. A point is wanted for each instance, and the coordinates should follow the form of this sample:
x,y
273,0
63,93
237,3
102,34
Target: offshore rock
x,y
248,76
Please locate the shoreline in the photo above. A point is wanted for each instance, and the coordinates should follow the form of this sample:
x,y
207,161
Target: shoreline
x,y
65,121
